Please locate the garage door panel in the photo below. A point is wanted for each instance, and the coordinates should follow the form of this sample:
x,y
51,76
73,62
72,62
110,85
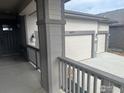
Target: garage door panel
x,y
78,47
101,43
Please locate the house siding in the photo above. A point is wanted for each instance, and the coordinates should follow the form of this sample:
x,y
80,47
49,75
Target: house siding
x,y
82,44
117,29
116,37
80,25
103,27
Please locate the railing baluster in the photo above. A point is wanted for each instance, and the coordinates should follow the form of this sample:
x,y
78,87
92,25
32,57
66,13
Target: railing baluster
x,y
83,81
78,81
66,79
95,85
104,83
107,85
122,89
69,78
88,82
63,76
108,81
60,75
73,80
111,86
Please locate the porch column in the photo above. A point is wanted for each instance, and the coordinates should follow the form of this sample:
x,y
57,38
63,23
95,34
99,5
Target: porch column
x,y
106,42
50,14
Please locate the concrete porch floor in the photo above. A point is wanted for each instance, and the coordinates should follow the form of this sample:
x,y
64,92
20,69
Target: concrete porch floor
x,y
18,76
108,62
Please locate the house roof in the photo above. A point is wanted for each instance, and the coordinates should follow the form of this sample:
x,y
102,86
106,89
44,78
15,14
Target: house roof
x,y
74,14
67,0
117,15
116,25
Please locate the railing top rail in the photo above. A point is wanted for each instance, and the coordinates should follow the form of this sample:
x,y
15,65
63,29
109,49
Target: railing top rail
x,y
99,73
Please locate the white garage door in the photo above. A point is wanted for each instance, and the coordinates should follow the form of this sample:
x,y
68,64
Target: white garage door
x,y
78,47
101,43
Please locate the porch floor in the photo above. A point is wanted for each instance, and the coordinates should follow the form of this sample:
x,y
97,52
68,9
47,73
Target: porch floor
x,y
108,62
18,76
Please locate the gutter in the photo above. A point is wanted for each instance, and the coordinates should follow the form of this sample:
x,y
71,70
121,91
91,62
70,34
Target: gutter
x,y
79,15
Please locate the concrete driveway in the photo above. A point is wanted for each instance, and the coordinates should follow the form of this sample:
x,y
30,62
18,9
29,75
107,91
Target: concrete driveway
x,y
18,76
108,62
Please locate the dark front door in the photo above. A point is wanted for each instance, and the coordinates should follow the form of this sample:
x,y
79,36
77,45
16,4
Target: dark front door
x,y
9,43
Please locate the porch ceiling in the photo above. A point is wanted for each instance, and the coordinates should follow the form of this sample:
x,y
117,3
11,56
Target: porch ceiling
x,y
13,6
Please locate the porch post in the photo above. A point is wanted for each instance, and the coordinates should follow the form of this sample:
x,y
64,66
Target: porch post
x,y
50,14
106,42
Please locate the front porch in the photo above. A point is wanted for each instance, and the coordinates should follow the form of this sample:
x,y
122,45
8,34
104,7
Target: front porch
x,y
57,71
18,76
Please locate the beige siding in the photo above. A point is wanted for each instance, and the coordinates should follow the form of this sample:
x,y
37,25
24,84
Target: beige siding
x,y
101,38
78,47
31,27
103,27
80,25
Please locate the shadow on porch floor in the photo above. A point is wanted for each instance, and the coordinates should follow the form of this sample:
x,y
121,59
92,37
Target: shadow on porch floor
x,y
18,76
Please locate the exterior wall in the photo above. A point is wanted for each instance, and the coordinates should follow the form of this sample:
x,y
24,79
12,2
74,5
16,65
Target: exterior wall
x,y
103,27
101,43
30,22
74,25
116,37
79,47
101,37
31,28
80,25
82,45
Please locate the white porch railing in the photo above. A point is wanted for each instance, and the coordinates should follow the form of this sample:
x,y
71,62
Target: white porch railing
x,y
76,77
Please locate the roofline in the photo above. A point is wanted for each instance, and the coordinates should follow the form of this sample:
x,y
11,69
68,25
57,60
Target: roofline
x,y
116,25
74,14
67,1
111,11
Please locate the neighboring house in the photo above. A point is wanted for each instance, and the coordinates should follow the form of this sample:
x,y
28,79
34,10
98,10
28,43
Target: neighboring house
x,y
85,34
117,29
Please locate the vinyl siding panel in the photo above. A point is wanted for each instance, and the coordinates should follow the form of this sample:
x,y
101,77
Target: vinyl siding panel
x,y
80,25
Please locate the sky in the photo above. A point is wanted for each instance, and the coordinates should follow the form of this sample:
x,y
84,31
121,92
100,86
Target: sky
x,y
94,6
